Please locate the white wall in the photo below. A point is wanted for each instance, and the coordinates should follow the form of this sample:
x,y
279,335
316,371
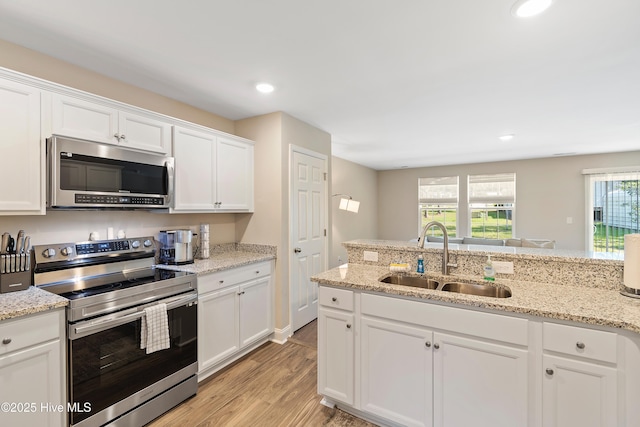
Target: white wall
x,y
547,192
360,183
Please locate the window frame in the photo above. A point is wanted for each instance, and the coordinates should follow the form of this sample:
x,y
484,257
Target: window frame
x,y
442,202
486,202
616,174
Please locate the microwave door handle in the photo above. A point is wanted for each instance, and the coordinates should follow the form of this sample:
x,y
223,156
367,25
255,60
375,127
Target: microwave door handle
x,y
170,171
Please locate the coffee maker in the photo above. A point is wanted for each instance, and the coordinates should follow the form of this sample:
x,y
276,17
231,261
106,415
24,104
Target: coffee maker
x,y
176,247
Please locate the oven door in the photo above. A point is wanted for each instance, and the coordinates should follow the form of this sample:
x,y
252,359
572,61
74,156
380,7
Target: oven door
x,y
108,372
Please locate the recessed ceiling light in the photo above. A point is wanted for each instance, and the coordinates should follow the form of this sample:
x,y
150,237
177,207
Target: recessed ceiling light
x,y
527,8
264,87
507,137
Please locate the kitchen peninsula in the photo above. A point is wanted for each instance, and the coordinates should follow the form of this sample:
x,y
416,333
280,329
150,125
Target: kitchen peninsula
x,y
563,348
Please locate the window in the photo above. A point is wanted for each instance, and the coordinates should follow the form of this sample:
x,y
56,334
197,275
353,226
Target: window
x,y
613,207
438,201
491,205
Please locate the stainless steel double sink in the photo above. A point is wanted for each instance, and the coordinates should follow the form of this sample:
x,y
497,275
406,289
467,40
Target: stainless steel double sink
x,y
424,282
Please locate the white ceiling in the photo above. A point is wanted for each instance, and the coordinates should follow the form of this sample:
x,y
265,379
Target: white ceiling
x,y
395,82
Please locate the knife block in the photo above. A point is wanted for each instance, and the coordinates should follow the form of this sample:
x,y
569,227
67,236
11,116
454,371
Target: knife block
x,y
11,282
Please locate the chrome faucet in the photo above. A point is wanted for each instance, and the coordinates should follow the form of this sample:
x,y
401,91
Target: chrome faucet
x,y
445,253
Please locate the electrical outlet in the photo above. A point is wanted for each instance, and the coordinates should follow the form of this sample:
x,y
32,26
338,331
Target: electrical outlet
x,y
371,256
504,267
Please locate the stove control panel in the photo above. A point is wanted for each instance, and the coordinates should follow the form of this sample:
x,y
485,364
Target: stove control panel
x,y
83,250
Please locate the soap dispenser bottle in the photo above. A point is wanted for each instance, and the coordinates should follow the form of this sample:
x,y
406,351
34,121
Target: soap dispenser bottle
x,y
489,272
420,264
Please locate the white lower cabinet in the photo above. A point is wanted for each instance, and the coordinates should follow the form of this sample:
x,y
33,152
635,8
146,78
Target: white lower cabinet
x,y
336,345
580,385
479,383
235,312
396,369
420,364
32,373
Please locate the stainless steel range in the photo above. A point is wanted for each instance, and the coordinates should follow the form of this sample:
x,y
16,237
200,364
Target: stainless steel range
x,y
111,285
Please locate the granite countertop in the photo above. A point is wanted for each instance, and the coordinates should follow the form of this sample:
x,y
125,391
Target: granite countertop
x,y
32,300
596,306
223,257
226,257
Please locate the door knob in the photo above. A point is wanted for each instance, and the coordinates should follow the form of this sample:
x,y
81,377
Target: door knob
x,y
428,344
297,250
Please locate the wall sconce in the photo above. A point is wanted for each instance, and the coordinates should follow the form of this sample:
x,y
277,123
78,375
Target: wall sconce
x,y
347,203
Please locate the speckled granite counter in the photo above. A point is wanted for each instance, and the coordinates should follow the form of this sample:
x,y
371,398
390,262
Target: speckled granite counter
x,y
561,267
224,257
29,301
596,306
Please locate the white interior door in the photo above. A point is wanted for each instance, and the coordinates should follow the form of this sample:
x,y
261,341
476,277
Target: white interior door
x,y
308,233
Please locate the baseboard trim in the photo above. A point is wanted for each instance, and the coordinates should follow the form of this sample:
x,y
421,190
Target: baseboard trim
x,y
280,336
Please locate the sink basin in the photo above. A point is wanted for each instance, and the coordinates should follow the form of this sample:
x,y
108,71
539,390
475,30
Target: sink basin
x,y
477,289
415,281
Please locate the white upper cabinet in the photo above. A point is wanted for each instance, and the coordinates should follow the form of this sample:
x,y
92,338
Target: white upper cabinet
x,y
21,150
100,122
234,173
213,173
194,154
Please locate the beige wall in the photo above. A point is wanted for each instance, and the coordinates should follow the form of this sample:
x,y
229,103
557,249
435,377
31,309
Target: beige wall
x,y
76,225
36,64
547,192
273,134
360,183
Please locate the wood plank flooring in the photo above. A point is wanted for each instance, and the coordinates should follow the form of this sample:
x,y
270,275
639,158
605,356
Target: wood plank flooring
x,y
273,386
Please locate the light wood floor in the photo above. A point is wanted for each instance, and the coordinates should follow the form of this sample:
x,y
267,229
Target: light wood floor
x,y
273,386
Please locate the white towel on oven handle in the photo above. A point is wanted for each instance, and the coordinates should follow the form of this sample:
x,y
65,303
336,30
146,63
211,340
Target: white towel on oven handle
x,y
154,333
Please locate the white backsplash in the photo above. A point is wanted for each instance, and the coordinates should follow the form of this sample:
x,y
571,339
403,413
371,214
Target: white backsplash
x,y
74,226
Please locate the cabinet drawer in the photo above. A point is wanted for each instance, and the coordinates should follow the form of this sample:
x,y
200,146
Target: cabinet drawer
x,y
336,298
234,276
22,332
581,342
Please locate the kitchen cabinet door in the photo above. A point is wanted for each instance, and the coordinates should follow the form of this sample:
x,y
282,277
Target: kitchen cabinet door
x,y
234,175
396,371
336,357
255,310
195,184
144,132
577,393
478,383
31,378
78,118
218,326
21,150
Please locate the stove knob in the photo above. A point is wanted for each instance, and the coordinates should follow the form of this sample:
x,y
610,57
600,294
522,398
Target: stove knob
x,y
67,251
147,243
49,253
135,244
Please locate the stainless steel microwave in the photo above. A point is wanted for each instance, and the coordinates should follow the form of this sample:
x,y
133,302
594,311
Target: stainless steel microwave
x,y
90,175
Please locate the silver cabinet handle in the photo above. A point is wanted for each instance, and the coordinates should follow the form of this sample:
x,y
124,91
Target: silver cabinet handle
x,y
334,299
348,325
297,250
6,341
241,293
436,346
580,345
549,371
116,136
122,137
221,281
428,344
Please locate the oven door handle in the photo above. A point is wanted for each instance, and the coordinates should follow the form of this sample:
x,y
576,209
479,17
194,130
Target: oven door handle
x,y
126,316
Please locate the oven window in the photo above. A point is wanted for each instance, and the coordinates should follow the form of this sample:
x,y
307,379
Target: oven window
x,y
109,366
88,173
